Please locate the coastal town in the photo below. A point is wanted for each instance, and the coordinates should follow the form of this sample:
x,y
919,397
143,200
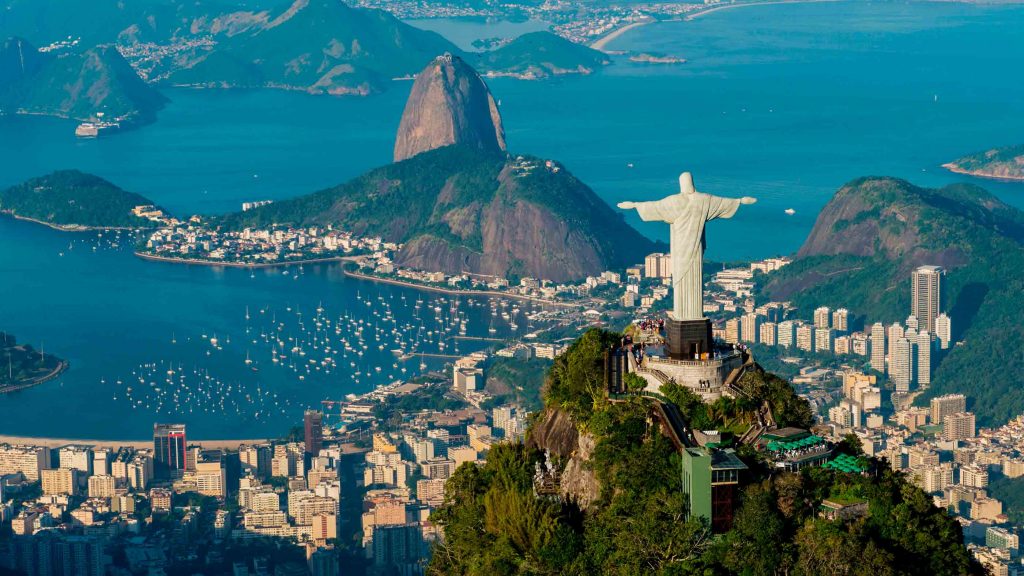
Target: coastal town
x,y
356,484
457,357
581,22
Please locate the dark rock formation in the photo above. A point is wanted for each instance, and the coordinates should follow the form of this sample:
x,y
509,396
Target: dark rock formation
x,y
449,104
555,433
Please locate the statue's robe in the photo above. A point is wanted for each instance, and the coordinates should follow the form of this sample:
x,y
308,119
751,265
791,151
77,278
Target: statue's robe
x,y
687,212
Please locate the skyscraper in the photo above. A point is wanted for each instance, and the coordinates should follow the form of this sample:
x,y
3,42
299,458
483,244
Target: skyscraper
x,y
823,339
749,327
314,423
805,337
959,426
926,295
822,317
786,333
732,331
924,359
943,330
895,332
658,265
943,406
878,347
841,320
901,365
169,447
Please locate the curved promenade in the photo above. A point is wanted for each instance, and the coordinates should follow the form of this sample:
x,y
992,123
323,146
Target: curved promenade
x,y
57,371
485,293
199,262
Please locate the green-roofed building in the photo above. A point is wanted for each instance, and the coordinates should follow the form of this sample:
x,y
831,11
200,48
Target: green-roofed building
x,y
791,449
710,479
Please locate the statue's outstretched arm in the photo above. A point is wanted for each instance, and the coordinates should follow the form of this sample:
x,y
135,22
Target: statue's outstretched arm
x,y
655,210
726,207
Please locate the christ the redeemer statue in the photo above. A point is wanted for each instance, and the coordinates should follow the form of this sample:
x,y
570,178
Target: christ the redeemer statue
x,y
687,212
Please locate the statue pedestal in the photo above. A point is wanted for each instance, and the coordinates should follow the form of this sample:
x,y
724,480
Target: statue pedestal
x,y
688,339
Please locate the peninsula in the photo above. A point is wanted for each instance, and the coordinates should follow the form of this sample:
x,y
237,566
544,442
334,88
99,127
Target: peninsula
x,y
24,367
74,201
1006,163
457,202
541,55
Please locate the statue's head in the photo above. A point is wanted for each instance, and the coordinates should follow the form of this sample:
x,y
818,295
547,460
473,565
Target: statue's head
x,y
686,184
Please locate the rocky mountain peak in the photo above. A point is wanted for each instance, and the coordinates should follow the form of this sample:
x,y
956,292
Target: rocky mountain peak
x,y
449,104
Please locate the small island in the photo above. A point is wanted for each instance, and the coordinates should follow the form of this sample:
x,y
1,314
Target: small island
x,y
24,367
1006,163
72,201
655,58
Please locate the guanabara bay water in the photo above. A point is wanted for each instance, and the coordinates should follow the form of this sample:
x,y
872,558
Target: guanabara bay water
x,y
769,104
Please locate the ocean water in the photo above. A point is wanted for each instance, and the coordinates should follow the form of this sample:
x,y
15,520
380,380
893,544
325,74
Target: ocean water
x,y
784,103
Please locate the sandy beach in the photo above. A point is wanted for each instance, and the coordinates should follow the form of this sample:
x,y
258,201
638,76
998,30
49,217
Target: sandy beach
x,y
603,41
138,444
600,43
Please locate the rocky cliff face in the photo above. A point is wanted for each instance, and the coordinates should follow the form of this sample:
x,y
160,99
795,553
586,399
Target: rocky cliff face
x,y
515,236
556,433
449,104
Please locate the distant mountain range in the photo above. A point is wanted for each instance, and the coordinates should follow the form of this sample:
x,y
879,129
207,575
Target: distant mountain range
x,y
870,236
1005,163
321,46
73,85
72,200
317,46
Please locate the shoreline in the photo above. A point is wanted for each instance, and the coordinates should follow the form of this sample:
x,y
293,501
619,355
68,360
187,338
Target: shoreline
x,y
698,13
956,169
215,263
601,42
69,227
484,293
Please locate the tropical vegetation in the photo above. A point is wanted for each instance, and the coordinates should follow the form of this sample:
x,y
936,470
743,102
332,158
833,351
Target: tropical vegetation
x,y
496,523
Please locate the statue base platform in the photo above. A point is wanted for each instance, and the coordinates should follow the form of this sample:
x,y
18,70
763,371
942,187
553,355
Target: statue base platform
x,y
688,339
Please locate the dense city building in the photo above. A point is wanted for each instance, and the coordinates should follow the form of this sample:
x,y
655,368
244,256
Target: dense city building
x,y
926,295
169,447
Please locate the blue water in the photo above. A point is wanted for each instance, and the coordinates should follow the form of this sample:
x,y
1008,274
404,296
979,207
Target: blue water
x,y
784,103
